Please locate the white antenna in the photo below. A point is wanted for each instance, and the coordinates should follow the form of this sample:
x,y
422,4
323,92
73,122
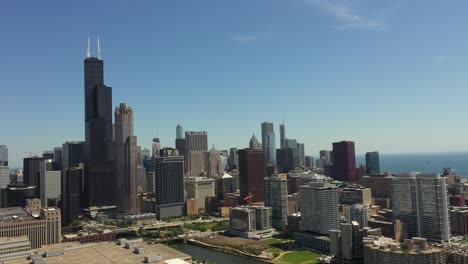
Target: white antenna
x,y
98,48
88,51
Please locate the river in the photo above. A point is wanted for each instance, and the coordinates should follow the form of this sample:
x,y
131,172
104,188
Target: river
x,y
213,256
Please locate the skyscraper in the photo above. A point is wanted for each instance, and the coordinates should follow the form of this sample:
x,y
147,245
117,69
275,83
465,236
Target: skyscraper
x,y
31,170
421,201
276,197
301,150
268,142
328,155
196,141
179,131
319,207
372,163
156,148
253,143
125,159
252,171
213,166
99,146
233,158
285,159
72,193
3,155
169,185
49,182
282,135
344,161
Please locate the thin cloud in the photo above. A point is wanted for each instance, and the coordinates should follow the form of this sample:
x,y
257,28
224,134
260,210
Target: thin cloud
x,y
350,18
243,39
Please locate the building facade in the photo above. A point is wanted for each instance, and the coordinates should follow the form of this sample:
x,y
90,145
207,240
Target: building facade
x,y
268,142
276,197
372,163
252,171
169,186
421,201
344,161
199,188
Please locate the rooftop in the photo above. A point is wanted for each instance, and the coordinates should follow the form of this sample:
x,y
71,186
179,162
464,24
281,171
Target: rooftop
x,y
106,253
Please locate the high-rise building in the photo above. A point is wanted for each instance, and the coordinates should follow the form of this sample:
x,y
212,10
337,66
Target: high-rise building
x,y
196,141
125,159
72,193
292,143
99,146
282,129
253,143
199,188
252,171
224,185
233,158
344,161
169,185
179,131
195,163
355,195
268,142
285,159
328,155
156,148
359,213
301,150
180,146
372,163
3,155
58,157
421,201
49,182
276,197
31,170
309,162
73,153
213,167
319,207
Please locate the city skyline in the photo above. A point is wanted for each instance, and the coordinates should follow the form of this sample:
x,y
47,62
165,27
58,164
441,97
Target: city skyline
x,y
390,96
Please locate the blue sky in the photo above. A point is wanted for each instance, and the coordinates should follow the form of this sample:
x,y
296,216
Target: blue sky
x,y
389,75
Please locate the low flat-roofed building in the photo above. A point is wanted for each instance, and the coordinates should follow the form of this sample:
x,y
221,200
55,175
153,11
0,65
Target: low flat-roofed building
x,y
83,238
12,245
42,229
105,253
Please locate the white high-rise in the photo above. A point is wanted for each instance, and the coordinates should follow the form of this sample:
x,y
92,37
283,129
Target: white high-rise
x,y
49,181
421,201
319,207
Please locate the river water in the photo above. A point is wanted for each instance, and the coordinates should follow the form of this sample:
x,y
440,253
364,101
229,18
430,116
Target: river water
x,y
213,256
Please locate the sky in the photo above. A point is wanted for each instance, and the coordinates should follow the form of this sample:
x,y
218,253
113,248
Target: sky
x,y
389,75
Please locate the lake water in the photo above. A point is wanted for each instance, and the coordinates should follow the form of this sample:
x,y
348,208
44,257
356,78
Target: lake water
x,y
201,253
426,163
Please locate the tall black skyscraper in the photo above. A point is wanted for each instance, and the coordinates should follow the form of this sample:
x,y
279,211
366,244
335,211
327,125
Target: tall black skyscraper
x,y
99,146
372,163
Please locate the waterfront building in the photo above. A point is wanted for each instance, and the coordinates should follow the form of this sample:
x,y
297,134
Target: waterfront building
x,y
125,159
199,188
250,221
42,230
346,244
372,163
276,197
319,207
385,250
268,142
169,185
344,161
252,171
421,201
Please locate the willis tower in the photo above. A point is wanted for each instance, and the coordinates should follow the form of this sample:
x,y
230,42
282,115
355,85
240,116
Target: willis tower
x,y
99,146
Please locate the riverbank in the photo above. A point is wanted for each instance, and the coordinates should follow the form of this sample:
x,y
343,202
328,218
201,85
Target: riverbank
x,y
230,250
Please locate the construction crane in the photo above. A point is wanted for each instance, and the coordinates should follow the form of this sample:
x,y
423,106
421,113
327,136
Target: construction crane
x,y
248,198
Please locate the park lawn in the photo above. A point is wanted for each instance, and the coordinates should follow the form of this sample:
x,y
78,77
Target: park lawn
x,y
299,257
274,240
